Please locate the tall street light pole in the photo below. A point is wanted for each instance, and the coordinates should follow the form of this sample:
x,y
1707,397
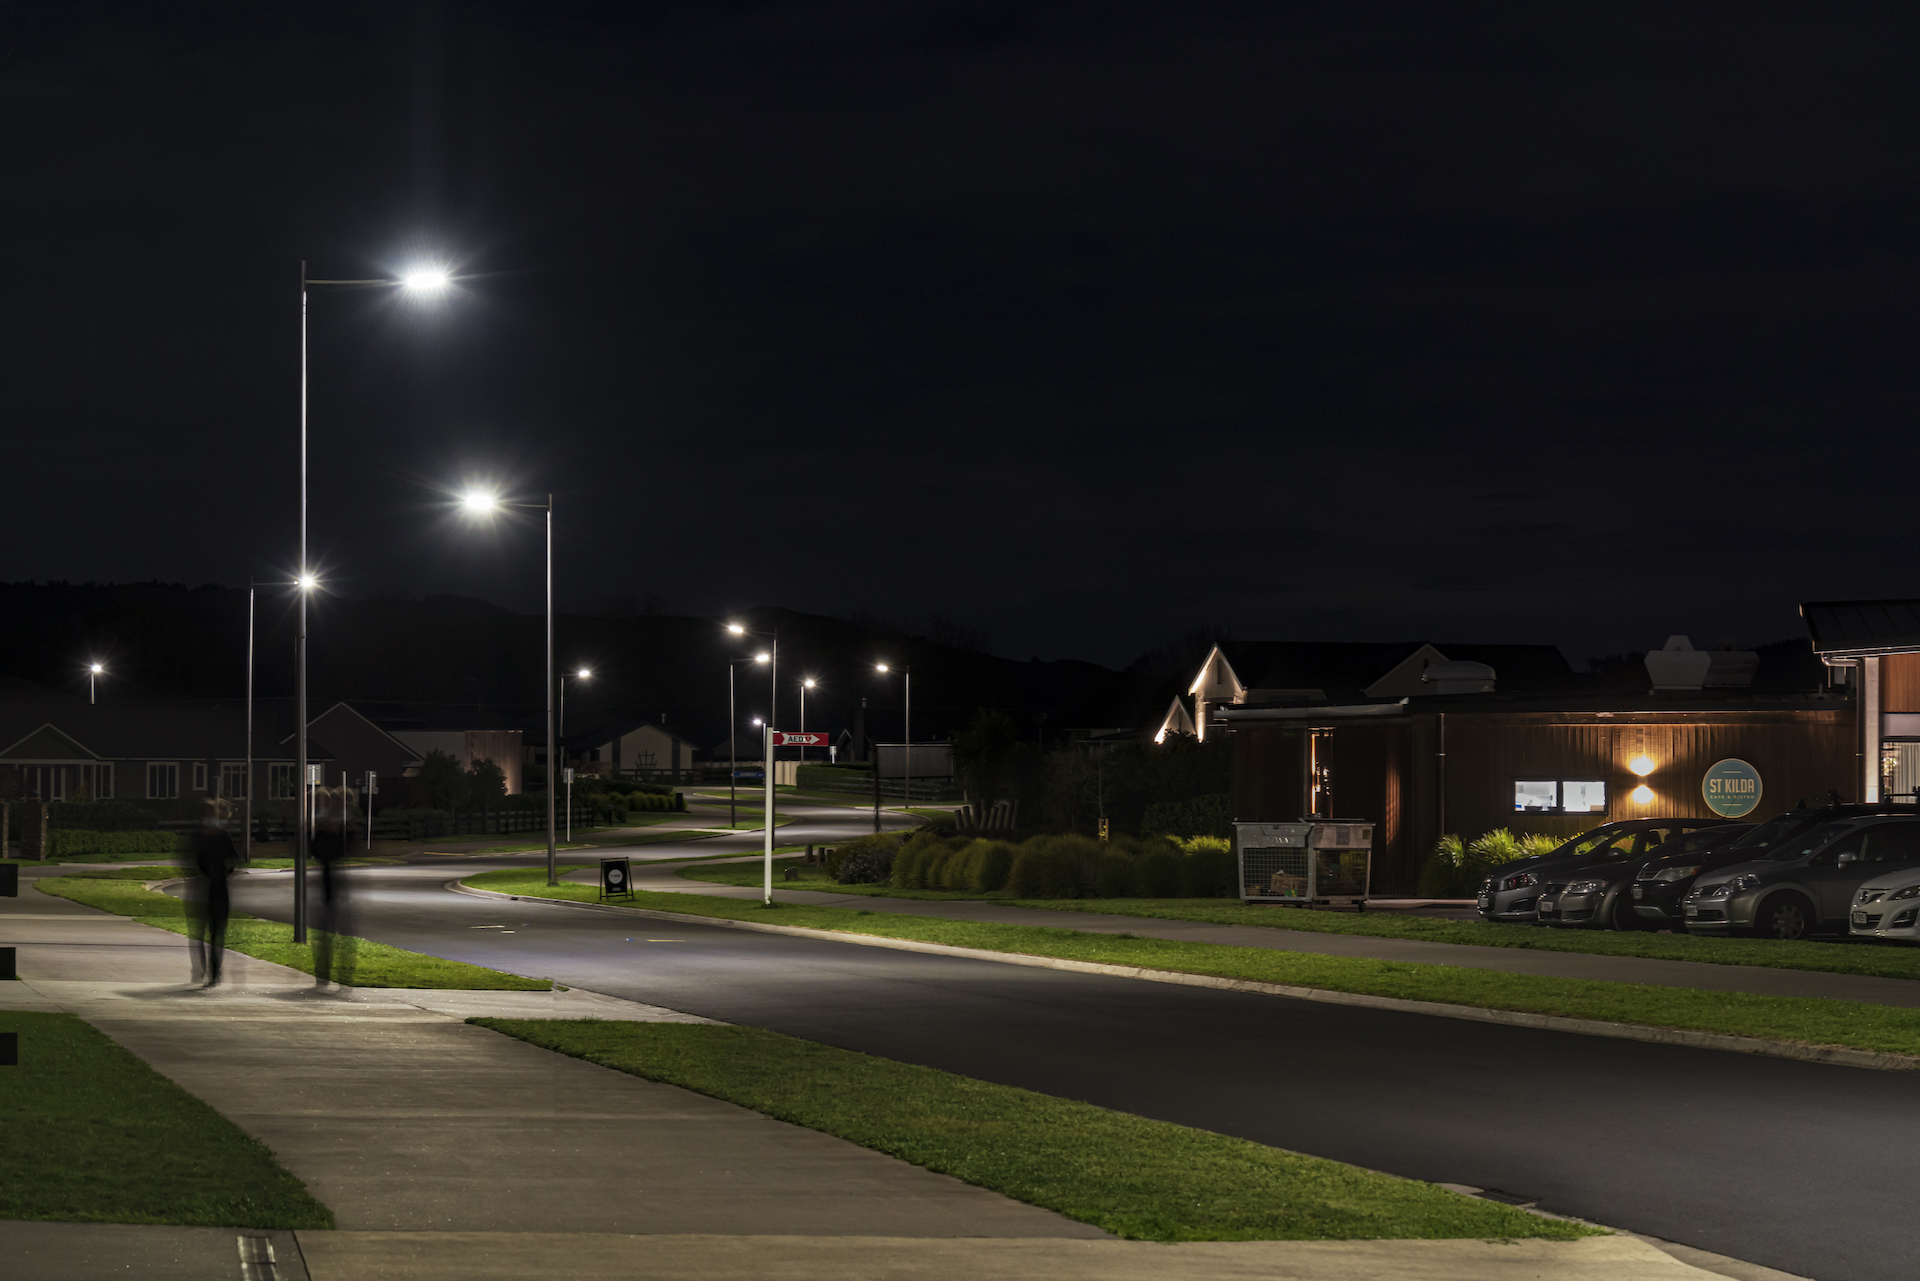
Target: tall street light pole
x,y
733,730
907,779
481,503
419,281
805,685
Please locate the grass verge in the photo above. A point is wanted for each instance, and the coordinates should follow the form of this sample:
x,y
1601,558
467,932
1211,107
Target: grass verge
x,y
90,1134
1798,1020
1857,956
1149,1180
375,964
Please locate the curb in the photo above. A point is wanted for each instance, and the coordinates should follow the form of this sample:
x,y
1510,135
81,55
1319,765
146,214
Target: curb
x,y
1837,1056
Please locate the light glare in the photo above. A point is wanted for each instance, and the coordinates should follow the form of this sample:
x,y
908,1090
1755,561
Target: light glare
x,y
96,669
736,629
1641,765
761,658
583,674
308,582
426,280
478,501
880,667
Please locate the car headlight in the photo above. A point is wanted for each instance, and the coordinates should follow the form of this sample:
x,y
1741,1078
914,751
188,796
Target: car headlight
x,y
1587,887
1912,891
1871,896
1674,873
1518,881
1747,882
1719,889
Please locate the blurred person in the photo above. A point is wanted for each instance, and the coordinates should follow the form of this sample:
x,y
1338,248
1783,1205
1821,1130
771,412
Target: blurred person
x,y
208,904
333,941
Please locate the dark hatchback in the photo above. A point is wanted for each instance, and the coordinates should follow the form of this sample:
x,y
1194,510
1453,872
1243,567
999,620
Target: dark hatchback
x,y
1599,894
1663,880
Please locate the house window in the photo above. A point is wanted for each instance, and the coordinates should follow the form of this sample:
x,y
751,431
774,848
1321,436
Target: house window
x,y
103,781
1559,796
199,776
280,781
163,781
233,781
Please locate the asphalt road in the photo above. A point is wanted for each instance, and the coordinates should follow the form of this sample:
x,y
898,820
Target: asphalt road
x,y
1801,1167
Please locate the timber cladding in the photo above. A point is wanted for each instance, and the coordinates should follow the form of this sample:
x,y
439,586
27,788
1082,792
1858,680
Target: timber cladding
x,y
1390,770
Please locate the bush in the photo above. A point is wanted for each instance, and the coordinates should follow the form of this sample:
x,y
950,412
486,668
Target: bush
x,y
1210,871
1209,815
1056,867
66,842
1157,874
1455,869
1113,876
866,861
101,816
989,865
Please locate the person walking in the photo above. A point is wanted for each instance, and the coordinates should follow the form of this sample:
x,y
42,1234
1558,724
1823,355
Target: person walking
x,y
333,937
208,903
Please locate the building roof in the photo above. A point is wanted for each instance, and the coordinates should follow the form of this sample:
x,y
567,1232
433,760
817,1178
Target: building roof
x,y
607,733
1863,626
1345,670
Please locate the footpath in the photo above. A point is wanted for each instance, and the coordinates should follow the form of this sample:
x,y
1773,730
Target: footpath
x,y
1706,976
449,1151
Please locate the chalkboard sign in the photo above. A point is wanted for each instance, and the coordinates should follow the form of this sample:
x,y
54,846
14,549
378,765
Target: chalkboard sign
x,y
616,878
9,880
9,1049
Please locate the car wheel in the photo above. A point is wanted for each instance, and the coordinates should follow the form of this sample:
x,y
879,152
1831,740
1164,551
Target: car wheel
x,y
1621,915
1786,917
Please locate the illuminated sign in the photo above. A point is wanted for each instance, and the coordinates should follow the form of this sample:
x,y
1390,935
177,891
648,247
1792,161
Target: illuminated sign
x,y
1732,788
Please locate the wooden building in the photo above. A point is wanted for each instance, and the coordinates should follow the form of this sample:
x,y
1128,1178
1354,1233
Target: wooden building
x,y
1471,764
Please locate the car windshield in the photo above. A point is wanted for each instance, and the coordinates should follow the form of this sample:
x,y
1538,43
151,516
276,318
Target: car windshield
x,y
1694,842
1810,841
1596,839
1769,833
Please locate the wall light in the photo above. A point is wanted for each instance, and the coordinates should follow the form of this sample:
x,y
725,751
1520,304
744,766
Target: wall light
x,y
1641,765
1643,795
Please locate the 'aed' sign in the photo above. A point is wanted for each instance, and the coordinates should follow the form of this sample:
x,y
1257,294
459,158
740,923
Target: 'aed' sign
x,y
1732,789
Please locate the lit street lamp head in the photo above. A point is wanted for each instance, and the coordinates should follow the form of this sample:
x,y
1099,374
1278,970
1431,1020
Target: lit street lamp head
x,y
96,669
479,502
307,582
736,629
807,683
762,658
583,674
880,667
426,280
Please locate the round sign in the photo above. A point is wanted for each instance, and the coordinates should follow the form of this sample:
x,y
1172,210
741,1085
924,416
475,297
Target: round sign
x,y
1732,788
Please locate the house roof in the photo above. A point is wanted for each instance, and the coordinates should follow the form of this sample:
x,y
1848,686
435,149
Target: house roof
x,y
1344,670
620,729
1863,626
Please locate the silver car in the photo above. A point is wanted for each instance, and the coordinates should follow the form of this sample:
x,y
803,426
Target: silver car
x,y
1512,892
1807,885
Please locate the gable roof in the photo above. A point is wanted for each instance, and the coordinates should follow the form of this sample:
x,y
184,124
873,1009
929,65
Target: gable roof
x,y
48,743
1856,627
620,729
1344,671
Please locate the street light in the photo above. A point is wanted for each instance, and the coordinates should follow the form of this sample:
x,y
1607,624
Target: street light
x,y
417,280
584,674
805,685
480,502
733,731
94,671
907,780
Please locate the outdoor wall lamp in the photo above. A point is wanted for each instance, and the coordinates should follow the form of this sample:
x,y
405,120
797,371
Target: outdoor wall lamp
x,y
1641,765
1643,795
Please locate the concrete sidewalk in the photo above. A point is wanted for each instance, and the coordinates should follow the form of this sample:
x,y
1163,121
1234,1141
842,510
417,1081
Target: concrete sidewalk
x,y
448,1151
1706,976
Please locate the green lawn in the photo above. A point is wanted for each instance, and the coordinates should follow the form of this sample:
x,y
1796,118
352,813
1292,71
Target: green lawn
x,y
90,1134
1804,1020
1149,1180
1884,960
375,964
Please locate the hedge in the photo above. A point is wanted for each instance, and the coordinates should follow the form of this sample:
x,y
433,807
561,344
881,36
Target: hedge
x,y
1063,866
1208,815
67,842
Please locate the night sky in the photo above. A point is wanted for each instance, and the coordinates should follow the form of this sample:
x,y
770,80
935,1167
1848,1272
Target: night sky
x,y
1080,325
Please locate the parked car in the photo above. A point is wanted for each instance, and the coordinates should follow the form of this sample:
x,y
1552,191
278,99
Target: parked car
x,y
1888,908
1663,880
1807,885
1512,892
1598,894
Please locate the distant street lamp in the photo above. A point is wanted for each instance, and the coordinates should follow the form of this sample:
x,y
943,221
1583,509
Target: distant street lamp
x,y
94,670
478,503
418,281
733,730
805,685
907,780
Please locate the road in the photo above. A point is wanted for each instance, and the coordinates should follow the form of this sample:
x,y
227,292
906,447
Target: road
x,y
1801,1167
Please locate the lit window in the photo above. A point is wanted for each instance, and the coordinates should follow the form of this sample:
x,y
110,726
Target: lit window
x,y
1559,796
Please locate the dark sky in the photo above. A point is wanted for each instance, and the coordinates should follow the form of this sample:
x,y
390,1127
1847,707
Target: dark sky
x,y
1078,323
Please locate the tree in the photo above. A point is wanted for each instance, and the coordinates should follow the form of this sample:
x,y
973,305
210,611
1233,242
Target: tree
x,y
441,784
486,784
980,755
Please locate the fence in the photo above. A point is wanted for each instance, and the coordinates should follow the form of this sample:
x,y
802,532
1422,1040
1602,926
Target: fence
x,y
433,825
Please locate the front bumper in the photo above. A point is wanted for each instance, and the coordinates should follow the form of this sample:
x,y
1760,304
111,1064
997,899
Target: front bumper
x,y
1571,910
1721,915
1897,919
1511,906
1659,901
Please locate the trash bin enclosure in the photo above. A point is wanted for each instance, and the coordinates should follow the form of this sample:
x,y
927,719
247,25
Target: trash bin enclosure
x,y
1312,863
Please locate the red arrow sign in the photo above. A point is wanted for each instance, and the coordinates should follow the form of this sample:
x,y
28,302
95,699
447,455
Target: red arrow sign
x,y
784,739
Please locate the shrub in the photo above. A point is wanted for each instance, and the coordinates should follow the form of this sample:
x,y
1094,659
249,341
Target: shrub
x,y
70,842
1210,872
1157,873
1113,876
989,865
101,816
1445,873
1208,815
1215,844
866,861
1497,847
1540,843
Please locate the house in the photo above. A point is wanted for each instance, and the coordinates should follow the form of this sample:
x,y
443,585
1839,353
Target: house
x,y
1239,673
60,747
632,748
504,747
